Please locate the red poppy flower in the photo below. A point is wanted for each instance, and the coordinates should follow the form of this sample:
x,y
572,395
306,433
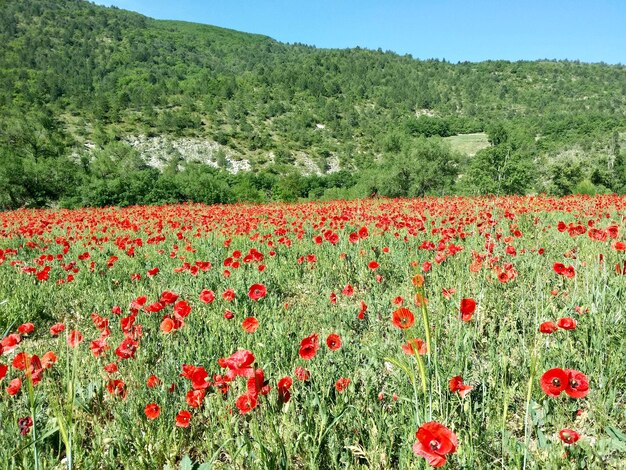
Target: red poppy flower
x,y
333,298
98,347
239,363
468,307
207,296
250,324
569,436
577,385
155,307
153,381
580,310
348,291
182,309
414,345
402,318
127,323
447,293
283,387
548,327
3,371
14,386
74,338
167,325
19,361
44,274
373,265
111,368
456,385
194,397
199,378
168,297
333,342
138,303
342,384
418,280
434,442
566,323
228,295
363,309
559,268
257,291
25,424
57,328
26,328
309,347
246,403
554,381
99,322
117,388
127,348
182,419
302,374
10,342
257,384
152,411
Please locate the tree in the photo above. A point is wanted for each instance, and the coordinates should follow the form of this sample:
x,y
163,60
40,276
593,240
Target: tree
x,y
497,134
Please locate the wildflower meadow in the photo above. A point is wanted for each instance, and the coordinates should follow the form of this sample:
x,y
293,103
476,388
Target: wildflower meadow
x,y
453,332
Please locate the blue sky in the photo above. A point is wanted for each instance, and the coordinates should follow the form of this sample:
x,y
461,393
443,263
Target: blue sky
x,y
473,30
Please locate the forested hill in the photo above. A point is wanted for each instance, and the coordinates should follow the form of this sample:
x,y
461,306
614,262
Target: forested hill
x,y
101,83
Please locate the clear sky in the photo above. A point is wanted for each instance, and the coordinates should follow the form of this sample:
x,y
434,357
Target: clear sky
x,y
457,30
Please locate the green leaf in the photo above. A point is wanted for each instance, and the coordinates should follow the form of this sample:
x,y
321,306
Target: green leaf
x,y
186,464
615,433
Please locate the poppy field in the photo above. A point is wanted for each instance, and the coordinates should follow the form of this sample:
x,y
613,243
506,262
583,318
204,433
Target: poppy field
x,y
439,332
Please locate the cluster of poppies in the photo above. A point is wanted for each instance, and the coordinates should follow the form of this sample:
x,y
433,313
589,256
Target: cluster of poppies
x,y
574,383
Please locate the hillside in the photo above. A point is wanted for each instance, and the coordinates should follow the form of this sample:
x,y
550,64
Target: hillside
x,y
76,79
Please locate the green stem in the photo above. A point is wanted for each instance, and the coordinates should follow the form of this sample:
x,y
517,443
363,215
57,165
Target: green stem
x,y
531,380
424,309
417,406
31,401
422,369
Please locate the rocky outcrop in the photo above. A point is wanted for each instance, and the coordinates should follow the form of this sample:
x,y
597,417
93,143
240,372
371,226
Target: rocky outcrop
x,y
157,151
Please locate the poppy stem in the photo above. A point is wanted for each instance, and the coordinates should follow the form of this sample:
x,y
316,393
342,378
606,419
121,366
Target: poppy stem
x,y
425,319
417,406
31,402
531,380
422,370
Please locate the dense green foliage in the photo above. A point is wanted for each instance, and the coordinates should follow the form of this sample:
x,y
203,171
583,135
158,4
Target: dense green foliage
x,y
73,73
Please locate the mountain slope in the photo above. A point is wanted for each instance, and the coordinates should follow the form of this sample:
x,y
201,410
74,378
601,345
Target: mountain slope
x,y
95,75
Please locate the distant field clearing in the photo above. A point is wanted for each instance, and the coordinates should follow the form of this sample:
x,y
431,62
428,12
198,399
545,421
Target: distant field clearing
x,y
468,144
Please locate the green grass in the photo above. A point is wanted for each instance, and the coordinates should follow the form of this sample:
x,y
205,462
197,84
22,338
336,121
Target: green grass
x,y
468,144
